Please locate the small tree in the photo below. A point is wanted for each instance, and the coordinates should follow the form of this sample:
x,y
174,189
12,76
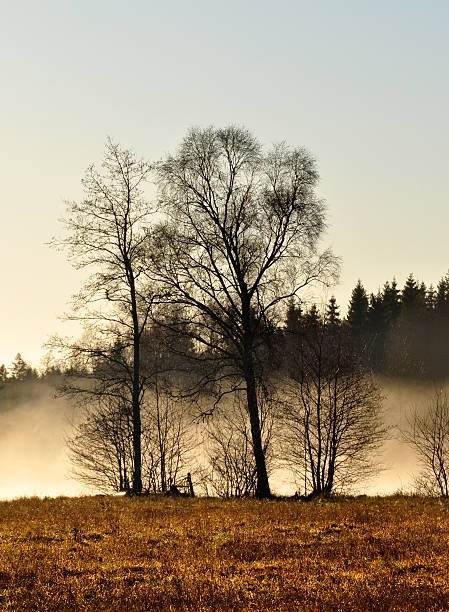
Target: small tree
x,y
3,373
331,416
101,447
168,439
229,447
101,444
428,434
20,369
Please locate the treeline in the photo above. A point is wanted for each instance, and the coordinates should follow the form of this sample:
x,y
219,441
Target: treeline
x,y
399,332
20,370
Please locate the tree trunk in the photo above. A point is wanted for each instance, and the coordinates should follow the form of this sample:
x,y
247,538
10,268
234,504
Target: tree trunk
x,y
161,442
137,425
263,486
189,482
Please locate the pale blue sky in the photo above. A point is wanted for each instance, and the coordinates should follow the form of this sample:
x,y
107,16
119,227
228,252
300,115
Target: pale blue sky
x,y
363,85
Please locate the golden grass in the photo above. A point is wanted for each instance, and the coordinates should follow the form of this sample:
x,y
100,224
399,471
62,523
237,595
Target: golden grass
x,y
110,553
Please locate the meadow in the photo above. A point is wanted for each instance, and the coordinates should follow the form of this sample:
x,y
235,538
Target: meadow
x,y
156,553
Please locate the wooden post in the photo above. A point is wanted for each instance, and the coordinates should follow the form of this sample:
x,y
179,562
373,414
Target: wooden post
x,y
189,481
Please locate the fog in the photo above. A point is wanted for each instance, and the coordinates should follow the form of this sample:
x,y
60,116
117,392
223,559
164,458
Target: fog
x,y
34,426
397,459
33,453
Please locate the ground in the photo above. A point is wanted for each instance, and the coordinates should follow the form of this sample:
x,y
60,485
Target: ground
x,y
115,553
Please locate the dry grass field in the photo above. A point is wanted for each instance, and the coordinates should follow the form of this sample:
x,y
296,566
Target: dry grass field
x,y
113,553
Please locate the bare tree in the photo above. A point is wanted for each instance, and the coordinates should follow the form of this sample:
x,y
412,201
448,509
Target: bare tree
x,y
101,447
428,434
331,419
229,447
101,444
240,237
168,439
107,232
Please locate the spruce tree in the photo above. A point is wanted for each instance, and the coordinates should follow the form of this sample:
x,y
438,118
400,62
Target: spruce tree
x,y
410,342
291,341
333,312
410,293
293,317
376,313
392,301
440,343
422,296
358,308
431,298
377,326
312,316
20,369
442,297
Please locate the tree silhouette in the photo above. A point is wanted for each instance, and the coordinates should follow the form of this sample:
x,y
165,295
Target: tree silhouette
x,y
358,311
21,370
3,373
107,231
240,238
332,312
392,302
331,413
293,319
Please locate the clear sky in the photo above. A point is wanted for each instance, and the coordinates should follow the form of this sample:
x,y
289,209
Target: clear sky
x,y
362,85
